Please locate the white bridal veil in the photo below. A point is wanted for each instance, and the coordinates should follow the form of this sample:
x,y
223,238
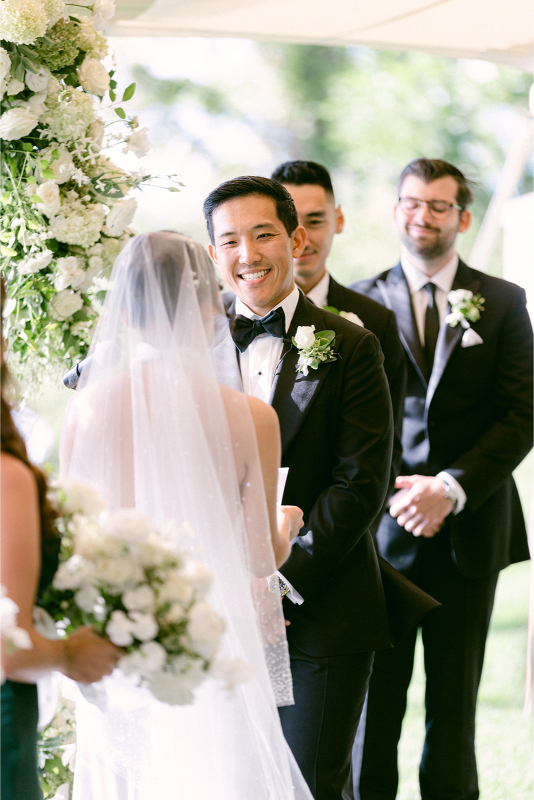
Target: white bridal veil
x,y
151,428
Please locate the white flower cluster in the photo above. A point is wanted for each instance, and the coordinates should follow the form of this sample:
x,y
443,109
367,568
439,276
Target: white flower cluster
x,y
13,637
77,222
314,348
145,595
24,21
68,114
465,308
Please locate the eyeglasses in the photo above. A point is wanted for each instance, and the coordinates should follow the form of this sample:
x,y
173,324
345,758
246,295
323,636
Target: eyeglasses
x,y
437,208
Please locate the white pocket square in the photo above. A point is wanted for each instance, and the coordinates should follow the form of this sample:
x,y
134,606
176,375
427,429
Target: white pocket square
x,y
471,338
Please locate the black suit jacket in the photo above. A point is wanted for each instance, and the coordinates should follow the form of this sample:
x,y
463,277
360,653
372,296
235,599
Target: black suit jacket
x,y
473,419
380,321
337,430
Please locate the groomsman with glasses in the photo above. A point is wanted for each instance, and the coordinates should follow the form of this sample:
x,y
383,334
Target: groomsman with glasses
x,y
455,518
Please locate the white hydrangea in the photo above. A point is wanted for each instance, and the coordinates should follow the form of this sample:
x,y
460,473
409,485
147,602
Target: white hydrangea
x,y
23,22
205,628
91,41
93,76
138,143
78,223
16,123
37,81
69,114
103,11
120,216
64,304
32,264
5,68
62,167
49,194
54,10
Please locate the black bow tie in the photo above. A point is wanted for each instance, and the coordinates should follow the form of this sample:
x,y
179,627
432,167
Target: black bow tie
x,y
245,330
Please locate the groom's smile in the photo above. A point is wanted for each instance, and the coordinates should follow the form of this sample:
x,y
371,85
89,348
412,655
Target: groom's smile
x,y
254,251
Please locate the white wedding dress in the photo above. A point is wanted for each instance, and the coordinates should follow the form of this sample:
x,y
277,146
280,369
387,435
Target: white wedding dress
x,y
151,427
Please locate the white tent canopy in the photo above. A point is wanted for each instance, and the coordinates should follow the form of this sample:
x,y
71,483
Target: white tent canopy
x,y
493,31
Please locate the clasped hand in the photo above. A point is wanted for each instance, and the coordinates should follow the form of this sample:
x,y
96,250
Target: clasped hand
x,y
420,506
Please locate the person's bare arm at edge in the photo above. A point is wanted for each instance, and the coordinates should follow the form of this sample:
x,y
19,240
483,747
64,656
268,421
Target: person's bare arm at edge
x,y
285,521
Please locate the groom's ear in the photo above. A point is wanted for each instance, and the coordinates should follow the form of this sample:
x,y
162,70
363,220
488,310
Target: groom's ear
x,y
299,240
212,252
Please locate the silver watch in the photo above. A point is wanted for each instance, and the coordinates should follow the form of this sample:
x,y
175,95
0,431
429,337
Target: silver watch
x,y
450,494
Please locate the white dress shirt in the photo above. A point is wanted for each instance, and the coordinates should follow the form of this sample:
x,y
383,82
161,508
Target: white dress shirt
x,y
443,280
319,293
260,359
258,364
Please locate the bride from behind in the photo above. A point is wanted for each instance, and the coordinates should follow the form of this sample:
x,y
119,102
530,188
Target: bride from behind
x,y
152,427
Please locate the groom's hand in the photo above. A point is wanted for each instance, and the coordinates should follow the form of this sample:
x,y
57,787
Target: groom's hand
x,y
420,506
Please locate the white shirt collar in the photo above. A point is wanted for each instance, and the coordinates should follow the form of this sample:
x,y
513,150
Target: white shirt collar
x,y
416,279
319,293
289,304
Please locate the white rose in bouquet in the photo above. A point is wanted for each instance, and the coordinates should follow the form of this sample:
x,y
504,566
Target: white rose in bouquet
x,y
305,336
65,303
69,269
62,166
14,87
119,629
80,498
35,263
103,11
146,661
176,589
118,573
198,576
86,597
128,524
72,574
144,626
175,614
49,194
83,281
141,598
37,81
93,76
5,68
138,143
96,133
205,628
16,123
22,22
120,216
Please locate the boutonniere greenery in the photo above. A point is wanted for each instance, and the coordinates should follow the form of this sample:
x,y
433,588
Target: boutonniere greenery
x,y
314,348
350,315
466,308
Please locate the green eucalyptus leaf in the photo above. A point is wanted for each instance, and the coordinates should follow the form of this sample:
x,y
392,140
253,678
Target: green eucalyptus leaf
x,y
112,95
31,179
113,84
34,198
43,163
27,146
48,174
120,113
128,92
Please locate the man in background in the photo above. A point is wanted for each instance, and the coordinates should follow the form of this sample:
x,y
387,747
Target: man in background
x,y
456,519
310,186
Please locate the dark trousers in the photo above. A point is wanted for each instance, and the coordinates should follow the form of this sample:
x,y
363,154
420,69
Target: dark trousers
x,y
320,727
454,640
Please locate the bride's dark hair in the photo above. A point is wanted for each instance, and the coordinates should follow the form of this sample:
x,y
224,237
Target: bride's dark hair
x,y
170,254
13,444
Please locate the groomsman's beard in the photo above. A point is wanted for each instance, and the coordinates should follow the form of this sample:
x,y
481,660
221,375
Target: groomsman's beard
x,y
438,246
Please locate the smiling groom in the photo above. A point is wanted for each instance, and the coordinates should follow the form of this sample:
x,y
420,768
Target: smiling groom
x,y
336,428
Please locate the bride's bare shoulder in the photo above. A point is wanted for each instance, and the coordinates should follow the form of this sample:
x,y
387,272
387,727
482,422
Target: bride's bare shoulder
x,y
264,417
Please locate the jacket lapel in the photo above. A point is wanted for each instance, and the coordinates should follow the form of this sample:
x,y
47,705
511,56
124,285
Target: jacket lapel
x,y
292,393
335,297
449,338
396,296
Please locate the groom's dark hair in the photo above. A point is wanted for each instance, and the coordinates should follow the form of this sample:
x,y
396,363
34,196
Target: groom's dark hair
x,y
248,185
299,173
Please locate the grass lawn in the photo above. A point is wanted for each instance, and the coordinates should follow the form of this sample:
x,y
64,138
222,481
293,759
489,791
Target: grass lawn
x,y
504,736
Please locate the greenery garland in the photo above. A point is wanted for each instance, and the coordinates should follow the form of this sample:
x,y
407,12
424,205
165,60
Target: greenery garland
x,y
66,207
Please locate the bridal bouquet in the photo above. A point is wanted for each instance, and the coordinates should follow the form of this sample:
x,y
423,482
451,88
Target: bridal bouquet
x,y
133,586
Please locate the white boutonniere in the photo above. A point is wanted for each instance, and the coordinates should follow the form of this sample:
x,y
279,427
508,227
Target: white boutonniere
x,y
466,308
350,315
314,348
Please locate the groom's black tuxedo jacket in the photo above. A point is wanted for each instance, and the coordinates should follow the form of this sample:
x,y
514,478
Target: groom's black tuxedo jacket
x,y
380,321
336,428
473,419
